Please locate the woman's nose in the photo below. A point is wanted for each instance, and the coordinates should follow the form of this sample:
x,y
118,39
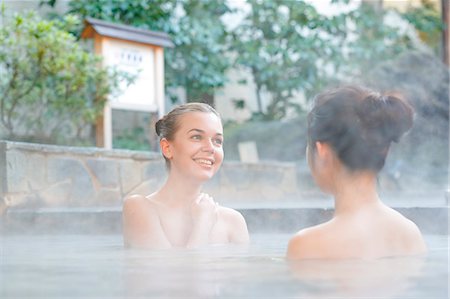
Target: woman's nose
x,y
208,145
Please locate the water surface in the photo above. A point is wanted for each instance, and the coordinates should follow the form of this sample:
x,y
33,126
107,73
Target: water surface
x,y
97,266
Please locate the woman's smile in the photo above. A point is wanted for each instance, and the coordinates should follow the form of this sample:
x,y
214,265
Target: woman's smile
x,y
204,161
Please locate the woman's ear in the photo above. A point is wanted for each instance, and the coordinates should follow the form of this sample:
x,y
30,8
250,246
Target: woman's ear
x,y
165,148
320,148
324,151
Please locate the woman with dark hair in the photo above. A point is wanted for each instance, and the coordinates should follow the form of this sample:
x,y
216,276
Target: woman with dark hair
x,y
179,214
350,130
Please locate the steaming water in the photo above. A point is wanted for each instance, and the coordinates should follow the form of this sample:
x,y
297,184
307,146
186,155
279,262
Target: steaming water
x,y
97,266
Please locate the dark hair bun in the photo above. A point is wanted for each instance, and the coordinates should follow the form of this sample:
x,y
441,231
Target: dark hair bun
x,y
390,117
158,127
359,124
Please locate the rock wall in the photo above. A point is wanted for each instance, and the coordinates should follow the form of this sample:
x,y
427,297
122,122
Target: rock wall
x,y
36,175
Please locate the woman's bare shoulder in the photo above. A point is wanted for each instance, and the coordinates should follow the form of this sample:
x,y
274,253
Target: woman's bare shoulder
x,y
136,205
135,201
236,224
141,224
310,243
229,213
395,219
231,217
408,233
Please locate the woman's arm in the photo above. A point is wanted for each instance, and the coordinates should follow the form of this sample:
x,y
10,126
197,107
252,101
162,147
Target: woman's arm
x,y
141,225
237,227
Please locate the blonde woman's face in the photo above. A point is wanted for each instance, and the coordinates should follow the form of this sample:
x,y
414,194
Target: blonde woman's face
x,y
196,149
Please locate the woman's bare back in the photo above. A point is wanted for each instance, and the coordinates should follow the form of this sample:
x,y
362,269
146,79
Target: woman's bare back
x,y
372,233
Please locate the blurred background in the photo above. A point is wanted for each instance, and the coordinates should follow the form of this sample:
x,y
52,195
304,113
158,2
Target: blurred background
x,y
259,62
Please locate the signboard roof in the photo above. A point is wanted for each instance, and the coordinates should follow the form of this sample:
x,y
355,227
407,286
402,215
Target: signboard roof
x,y
125,32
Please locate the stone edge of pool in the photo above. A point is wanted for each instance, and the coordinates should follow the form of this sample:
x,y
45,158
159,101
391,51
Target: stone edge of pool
x,y
431,220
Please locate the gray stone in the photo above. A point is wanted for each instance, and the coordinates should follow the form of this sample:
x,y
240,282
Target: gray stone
x,y
146,188
81,151
35,171
53,176
245,176
130,175
105,171
57,194
289,182
271,192
20,199
60,169
108,196
16,172
25,171
155,170
3,169
232,176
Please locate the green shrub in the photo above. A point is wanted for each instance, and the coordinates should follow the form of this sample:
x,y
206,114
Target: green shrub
x,y
51,88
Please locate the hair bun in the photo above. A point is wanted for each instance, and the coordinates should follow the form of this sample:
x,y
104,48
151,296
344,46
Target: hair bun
x,y
158,126
388,115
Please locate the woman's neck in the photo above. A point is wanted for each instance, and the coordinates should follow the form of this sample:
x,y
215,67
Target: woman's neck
x,y
355,192
179,191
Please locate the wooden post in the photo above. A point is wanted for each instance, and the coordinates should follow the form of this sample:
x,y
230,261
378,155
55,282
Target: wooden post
x,y
159,78
103,127
159,96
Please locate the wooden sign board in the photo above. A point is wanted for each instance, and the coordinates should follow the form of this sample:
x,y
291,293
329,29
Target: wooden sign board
x,y
141,54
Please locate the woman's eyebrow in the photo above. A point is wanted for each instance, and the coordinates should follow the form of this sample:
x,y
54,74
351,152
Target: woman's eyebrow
x,y
196,130
202,131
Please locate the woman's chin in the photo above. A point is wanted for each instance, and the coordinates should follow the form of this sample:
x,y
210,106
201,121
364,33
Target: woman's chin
x,y
203,177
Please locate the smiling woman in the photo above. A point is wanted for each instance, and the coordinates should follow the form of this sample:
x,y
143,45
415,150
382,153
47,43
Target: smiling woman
x,y
179,214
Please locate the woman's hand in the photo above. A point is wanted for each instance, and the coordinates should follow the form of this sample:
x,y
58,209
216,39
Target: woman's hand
x,y
204,216
204,210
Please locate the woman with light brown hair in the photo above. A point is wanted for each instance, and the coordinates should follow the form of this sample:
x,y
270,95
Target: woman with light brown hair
x,y
179,214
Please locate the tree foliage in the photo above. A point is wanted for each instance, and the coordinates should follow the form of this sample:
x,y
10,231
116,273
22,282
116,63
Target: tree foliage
x,y
289,47
151,15
285,45
428,21
198,62
371,40
50,87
